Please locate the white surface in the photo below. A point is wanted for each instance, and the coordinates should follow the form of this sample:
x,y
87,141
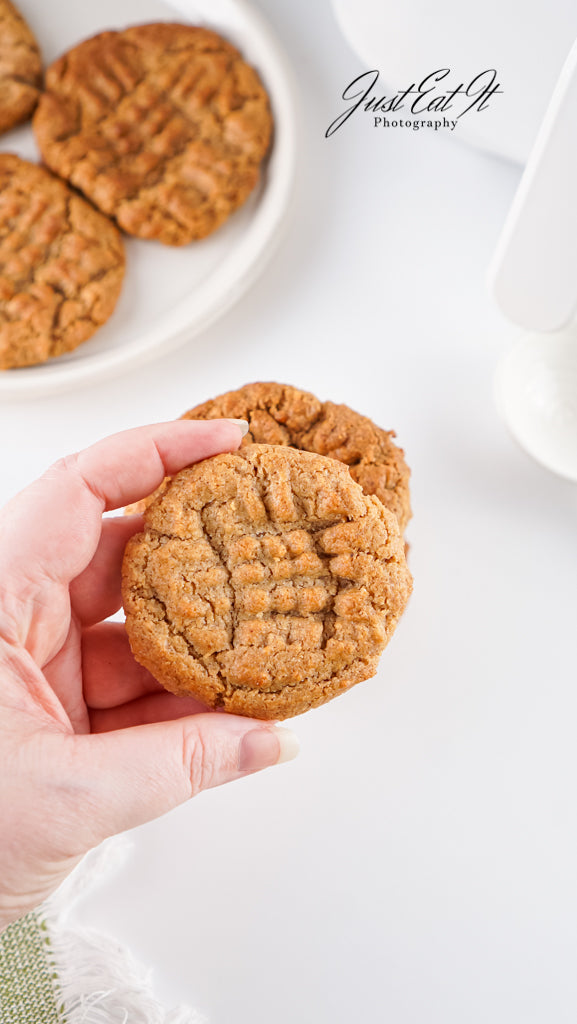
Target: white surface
x,y
536,391
416,864
534,271
525,41
169,294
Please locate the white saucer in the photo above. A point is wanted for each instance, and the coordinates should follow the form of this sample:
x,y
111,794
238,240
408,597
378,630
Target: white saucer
x,y
536,393
169,295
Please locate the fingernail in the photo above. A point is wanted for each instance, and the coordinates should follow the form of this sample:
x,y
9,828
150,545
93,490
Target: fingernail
x,y
261,748
289,744
242,424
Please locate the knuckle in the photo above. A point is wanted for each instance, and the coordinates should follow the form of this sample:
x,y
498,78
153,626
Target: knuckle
x,y
66,464
199,761
72,466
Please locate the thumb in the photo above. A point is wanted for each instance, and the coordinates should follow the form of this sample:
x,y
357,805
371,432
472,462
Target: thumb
x,y
134,775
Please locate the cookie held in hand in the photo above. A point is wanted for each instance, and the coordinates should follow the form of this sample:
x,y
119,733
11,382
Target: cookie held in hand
x,y
161,126
265,582
61,265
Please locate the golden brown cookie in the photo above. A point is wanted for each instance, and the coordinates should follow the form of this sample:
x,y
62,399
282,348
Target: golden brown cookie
x,y
20,68
265,582
281,414
61,265
162,126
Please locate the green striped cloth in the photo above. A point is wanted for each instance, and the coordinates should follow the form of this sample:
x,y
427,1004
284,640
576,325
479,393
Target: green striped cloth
x,y
55,972
28,978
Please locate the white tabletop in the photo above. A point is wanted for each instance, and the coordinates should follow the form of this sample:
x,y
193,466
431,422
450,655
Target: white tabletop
x,y
416,864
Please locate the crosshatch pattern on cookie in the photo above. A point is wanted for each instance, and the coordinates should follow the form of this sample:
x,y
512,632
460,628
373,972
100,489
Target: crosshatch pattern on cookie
x,y
61,265
162,126
265,583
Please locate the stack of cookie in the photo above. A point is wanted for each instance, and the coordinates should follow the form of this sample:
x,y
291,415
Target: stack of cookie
x,y
163,128
270,580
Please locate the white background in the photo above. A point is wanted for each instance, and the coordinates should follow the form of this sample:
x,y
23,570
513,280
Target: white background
x,y
416,864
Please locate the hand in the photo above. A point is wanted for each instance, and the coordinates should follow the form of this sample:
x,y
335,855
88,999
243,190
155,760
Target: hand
x,y
90,743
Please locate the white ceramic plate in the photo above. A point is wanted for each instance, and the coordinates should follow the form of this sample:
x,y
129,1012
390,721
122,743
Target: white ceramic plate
x,y
169,294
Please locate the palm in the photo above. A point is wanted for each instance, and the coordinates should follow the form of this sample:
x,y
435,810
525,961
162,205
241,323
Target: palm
x,y
84,676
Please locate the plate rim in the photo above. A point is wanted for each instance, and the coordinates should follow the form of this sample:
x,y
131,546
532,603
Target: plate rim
x,y
239,269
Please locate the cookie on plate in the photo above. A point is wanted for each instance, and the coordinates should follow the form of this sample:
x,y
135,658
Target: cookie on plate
x,y
163,127
281,414
265,582
61,265
20,68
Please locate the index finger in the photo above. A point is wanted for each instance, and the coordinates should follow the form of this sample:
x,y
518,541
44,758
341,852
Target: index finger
x,y
126,467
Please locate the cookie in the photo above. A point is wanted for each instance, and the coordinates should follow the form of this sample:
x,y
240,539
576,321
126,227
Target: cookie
x,y
281,414
20,68
162,126
61,265
265,582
